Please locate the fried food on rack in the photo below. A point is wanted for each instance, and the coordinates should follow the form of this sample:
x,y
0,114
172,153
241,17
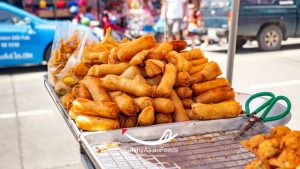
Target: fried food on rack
x,y
160,51
196,77
200,88
108,69
187,103
199,61
143,102
140,78
161,118
96,108
154,67
291,140
179,61
131,72
193,54
216,95
183,79
197,68
127,122
96,123
167,82
279,132
179,113
288,158
253,143
258,164
129,49
113,82
125,103
154,81
224,109
95,88
163,105
146,117
184,92
211,71
268,148
61,88
81,70
113,56
139,58
81,91
67,100
178,45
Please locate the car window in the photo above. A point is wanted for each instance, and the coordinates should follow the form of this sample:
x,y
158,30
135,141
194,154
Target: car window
x,y
9,18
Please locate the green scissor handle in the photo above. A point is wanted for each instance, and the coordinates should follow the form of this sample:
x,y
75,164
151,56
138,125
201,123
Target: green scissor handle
x,y
268,105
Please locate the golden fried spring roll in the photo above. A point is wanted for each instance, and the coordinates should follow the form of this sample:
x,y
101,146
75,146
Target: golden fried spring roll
x,y
146,117
215,95
160,51
67,100
184,92
211,71
81,70
95,88
205,86
193,54
106,69
224,109
178,45
129,49
127,122
154,67
182,79
131,72
140,78
197,68
187,103
161,118
82,91
163,105
73,114
138,58
113,82
93,123
199,61
125,103
113,56
179,114
167,82
96,57
179,61
96,108
154,81
196,77
143,102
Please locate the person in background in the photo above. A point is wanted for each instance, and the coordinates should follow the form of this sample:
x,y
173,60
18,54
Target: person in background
x,y
192,24
89,13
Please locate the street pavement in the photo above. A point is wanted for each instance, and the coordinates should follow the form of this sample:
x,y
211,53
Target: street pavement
x,y
35,136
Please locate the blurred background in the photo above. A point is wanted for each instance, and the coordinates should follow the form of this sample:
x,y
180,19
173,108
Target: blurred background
x,y
35,136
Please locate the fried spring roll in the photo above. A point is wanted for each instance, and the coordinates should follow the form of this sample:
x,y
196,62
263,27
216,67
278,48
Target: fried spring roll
x,y
224,109
125,103
187,103
154,81
211,71
73,114
154,67
143,102
95,88
196,78
161,118
205,86
179,61
160,51
67,100
96,108
61,88
127,122
179,114
113,56
106,69
138,58
140,78
113,82
167,82
131,72
215,95
197,68
81,70
184,92
146,117
129,49
193,54
92,123
96,57
182,79
178,45
199,61
163,105
82,91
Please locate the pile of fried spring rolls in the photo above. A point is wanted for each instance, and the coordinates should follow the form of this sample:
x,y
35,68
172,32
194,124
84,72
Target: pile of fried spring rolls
x,y
141,83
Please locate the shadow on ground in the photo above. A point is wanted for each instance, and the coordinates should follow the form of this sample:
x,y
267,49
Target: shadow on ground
x,y
23,69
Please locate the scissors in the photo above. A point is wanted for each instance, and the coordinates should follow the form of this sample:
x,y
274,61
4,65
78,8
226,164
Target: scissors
x,y
268,105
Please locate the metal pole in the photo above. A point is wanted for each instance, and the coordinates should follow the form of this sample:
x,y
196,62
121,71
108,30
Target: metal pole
x,y
232,39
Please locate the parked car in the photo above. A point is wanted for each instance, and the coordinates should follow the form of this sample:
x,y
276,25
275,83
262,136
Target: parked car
x,y
267,21
25,38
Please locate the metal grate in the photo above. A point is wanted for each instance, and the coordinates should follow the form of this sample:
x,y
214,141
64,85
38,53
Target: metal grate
x,y
211,150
